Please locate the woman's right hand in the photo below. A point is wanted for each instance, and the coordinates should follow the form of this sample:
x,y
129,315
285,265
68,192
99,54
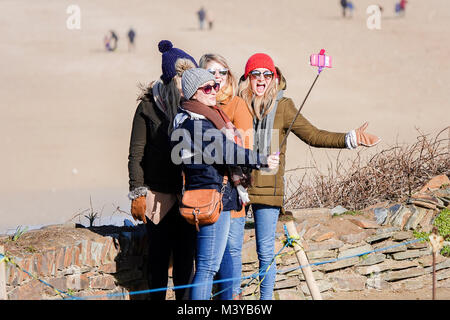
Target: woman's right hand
x,y
273,161
138,207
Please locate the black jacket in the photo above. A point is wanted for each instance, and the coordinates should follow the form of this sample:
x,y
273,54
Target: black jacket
x,y
204,169
149,161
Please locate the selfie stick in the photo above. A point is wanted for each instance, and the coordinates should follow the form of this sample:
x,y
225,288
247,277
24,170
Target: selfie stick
x,y
319,60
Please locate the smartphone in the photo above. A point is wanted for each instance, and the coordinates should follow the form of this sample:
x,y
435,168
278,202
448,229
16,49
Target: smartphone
x,y
320,60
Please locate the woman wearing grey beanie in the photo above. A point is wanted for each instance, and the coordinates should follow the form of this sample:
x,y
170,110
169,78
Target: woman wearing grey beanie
x,y
205,143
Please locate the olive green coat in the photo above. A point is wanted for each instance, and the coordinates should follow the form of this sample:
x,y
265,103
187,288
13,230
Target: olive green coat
x,y
263,190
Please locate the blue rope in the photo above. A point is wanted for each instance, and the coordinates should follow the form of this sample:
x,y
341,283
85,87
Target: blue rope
x,y
288,243
289,240
252,275
59,292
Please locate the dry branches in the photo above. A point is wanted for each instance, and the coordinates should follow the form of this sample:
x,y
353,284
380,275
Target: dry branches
x,y
392,174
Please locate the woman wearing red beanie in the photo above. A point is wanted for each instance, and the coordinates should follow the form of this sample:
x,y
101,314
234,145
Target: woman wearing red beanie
x,y
262,87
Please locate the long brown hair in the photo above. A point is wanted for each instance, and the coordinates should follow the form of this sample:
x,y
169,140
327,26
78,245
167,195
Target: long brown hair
x,y
259,106
170,93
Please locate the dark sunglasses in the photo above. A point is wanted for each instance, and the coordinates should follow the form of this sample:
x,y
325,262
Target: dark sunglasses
x,y
257,74
222,72
208,88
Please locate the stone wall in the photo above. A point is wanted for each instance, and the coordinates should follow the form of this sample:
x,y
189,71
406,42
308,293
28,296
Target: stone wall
x,y
401,267
79,261
97,262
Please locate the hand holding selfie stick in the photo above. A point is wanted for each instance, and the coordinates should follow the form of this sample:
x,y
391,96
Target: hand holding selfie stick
x,y
317,60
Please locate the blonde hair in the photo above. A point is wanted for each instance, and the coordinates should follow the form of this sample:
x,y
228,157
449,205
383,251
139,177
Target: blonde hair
x,y
206,58
181,65
259,106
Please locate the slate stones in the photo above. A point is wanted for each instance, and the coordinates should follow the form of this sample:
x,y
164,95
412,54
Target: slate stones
x,y
416,216
380,215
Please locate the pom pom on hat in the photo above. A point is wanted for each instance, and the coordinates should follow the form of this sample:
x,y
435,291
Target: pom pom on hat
x,y
164,45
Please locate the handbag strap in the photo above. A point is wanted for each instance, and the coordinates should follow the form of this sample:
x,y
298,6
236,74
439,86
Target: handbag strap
x,y
224,182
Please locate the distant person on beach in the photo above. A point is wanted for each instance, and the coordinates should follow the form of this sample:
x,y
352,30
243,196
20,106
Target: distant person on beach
x,y
201,14
210,19
131,35
346,6
262,87
155,183
110,41
400,7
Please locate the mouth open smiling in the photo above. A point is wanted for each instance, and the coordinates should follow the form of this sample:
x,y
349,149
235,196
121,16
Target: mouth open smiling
x,y
260,88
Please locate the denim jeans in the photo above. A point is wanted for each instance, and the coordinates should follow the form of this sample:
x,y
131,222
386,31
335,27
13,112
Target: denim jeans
x,y
266,218
211,243
231,266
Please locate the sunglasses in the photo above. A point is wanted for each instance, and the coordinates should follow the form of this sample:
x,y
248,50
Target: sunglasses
x,y
222,72
208,88
256,74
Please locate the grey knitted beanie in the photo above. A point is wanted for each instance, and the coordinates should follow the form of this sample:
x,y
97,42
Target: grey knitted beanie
x,y
192,79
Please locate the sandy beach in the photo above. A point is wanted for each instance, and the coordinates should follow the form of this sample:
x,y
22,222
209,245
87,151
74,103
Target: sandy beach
x,y
67,104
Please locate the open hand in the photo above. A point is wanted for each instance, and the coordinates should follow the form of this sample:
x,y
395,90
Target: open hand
x,y
273,161
366,139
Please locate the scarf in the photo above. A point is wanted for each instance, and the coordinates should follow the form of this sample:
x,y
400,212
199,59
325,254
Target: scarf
x,y
263,129
221,121
216,115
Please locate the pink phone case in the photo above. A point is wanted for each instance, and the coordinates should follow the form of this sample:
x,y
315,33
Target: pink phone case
x,y
320,60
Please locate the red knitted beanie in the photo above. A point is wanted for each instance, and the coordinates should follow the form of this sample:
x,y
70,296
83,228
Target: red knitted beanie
x,y
260,60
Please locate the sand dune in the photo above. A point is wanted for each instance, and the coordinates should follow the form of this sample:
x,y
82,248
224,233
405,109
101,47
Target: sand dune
x,y
67,105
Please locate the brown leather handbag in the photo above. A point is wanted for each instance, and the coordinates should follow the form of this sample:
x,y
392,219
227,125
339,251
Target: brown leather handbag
x,y
202,206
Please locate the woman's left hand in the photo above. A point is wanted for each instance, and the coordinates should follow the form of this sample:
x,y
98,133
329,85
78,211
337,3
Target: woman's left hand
x,y
366,139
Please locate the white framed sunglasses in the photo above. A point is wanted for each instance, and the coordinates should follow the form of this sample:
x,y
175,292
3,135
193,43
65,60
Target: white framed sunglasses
x,y
222,72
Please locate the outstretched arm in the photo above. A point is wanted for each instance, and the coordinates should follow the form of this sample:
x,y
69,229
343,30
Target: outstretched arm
x,y
308,133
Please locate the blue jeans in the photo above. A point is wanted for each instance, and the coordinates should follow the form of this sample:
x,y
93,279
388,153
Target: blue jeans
x,y
231,266
266,218
211,243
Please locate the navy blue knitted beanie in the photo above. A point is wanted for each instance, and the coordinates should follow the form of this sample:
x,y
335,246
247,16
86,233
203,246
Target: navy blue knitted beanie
x,y
169,57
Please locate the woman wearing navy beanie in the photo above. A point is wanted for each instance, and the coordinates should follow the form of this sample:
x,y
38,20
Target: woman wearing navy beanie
x,y
155,182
